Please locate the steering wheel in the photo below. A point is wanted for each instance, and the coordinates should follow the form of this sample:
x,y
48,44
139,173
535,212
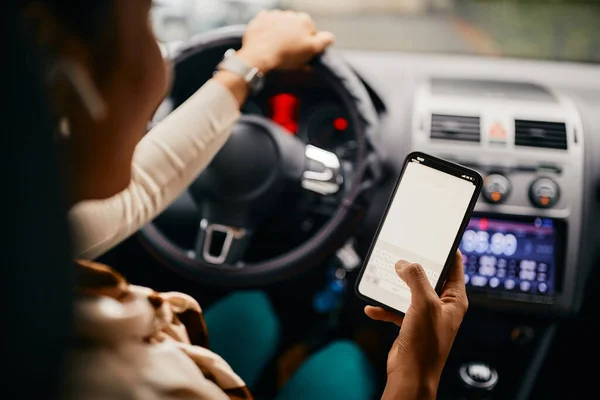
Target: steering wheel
x,y
238,190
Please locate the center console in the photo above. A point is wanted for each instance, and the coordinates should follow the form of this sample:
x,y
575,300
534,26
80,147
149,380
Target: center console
x,y
520,248
527,141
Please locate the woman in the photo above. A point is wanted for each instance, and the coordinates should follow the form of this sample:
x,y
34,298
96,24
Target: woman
x,y
106,78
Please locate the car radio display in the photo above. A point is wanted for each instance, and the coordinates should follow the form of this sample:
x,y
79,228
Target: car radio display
x,y
510,256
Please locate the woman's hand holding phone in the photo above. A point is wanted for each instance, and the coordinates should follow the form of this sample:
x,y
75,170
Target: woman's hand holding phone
x,y
417,357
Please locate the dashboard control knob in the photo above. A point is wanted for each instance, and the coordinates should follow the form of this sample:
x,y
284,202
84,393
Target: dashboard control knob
x,y
495,188
544,192
478,376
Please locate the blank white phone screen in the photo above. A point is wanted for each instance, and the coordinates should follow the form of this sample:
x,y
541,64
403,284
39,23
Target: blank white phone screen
x,y
421,226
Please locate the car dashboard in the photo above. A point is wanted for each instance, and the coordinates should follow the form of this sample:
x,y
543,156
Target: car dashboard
x,y
531,250
527,127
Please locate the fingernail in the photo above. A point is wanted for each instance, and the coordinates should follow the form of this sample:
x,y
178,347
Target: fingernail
x,y
400,265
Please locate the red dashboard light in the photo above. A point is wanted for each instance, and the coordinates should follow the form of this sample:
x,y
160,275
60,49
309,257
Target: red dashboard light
x,y
284,111
340,123
483,224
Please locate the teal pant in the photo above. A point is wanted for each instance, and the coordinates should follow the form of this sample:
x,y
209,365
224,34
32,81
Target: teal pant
x,y
244,330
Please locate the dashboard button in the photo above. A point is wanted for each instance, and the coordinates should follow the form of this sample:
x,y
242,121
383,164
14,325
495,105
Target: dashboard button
x,y
544,193
509,284
495,188
528,265
479,281
542,267
494,282
529,275
487,270
525,286
542,276
542,287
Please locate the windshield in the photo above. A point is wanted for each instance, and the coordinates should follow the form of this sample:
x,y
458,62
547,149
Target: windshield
x,y
542,29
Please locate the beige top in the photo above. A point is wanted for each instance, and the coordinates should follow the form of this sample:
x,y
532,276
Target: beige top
x,y
165,162
132,343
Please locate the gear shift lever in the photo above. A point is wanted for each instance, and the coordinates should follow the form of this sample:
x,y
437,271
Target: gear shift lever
x,y
479,378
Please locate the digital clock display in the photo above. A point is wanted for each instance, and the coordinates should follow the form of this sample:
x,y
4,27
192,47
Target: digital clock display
x,y
510,256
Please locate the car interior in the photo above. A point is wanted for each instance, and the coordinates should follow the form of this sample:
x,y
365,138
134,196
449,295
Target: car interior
x,y
343,128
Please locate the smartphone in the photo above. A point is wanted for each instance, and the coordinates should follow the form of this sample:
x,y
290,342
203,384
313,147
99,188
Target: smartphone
x,y
424,221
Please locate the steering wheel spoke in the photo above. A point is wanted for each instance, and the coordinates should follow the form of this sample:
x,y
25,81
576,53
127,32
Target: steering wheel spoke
x,y
220,244
322,173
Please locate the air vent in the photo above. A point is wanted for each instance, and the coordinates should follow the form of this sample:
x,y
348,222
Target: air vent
x,y
455,127
549,135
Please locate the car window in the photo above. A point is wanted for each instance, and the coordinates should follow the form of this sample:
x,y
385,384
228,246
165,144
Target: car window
x,y
542,29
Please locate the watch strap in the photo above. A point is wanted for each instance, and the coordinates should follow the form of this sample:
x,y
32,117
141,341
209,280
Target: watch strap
x,y
234,64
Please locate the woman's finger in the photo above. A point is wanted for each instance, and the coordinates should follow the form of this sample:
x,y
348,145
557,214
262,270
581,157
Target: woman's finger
x,y
321,41
379,314
455,283
417,281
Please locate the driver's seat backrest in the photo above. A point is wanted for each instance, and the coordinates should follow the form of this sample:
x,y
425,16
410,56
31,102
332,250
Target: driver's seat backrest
x,y
36,276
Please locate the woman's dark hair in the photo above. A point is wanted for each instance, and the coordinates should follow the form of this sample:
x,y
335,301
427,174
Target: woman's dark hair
x,y
87,18
90,20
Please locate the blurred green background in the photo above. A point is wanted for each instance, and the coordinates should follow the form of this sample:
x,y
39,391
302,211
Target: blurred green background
x,y
555,29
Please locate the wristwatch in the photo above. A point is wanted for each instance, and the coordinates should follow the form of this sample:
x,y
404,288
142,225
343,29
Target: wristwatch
x,y
251,75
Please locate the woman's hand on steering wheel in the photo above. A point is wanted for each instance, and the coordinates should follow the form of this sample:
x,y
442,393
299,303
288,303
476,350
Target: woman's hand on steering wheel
x,y
282,40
